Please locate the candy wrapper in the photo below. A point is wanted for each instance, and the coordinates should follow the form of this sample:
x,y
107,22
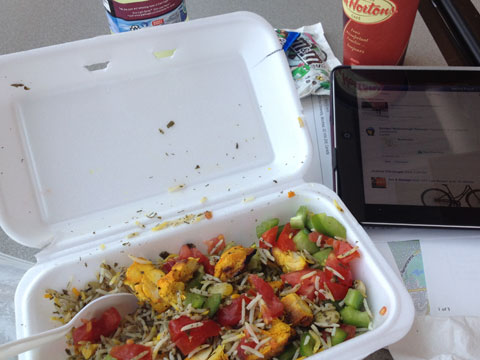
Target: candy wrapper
x,y
310,58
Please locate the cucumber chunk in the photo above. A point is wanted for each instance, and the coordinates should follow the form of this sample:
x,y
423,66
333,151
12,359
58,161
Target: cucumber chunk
x,y
196,300
213,303
300,219
328,225
354,298
306,344
196,281
322,255
266,225
302,242
340,336
355,317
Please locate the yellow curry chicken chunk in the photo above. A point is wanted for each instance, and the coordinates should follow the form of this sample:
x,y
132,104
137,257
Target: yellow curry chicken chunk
x,y
279,333
297,310
289,260
143,278
175,280
232,262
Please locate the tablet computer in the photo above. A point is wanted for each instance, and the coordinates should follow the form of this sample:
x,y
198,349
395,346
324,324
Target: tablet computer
x,y
407,144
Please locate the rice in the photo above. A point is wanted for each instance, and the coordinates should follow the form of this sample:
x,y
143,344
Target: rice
x,y
217,245
291,290
250,331
242,320
308,275
191,326
335,272
254,302
252,351
196,350
150,328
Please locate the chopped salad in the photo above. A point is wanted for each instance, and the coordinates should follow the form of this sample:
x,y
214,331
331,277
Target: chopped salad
x,y
289,295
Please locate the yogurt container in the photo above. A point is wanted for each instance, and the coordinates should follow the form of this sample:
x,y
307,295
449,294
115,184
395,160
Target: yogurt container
x,y
101,132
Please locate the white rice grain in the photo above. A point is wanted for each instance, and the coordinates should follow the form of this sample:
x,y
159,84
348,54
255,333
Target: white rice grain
x,y
254,302
196,350
263,342
251,332
335,272
252,351
308,275
291,290
192,326
242,321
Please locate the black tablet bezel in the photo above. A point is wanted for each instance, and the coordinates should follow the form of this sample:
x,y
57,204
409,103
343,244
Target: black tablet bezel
x,y
346,142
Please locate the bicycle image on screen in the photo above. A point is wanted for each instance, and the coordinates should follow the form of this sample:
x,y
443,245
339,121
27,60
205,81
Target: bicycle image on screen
x,y
440,197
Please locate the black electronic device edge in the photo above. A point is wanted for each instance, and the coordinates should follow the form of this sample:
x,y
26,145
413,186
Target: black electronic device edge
x,y
346,143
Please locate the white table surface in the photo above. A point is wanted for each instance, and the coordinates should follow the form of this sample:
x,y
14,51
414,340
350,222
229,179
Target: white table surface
x,y
30,24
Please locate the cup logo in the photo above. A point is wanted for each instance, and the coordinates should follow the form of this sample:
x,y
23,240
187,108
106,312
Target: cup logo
x,y
369,11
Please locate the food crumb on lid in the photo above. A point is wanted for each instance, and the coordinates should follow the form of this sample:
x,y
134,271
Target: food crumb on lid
x,y
203,199
208,214
176,188
291,194
337,205
102,247
131,235
383,310
139,224
300,121
248,199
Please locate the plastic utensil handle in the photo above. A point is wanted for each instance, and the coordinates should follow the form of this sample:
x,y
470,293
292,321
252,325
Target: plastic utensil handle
x,y
19,346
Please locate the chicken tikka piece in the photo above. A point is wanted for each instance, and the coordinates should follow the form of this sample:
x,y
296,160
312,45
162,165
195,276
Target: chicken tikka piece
x,y
232,262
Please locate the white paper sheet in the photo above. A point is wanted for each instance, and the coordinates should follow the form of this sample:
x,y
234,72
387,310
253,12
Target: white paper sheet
x,y
317,117
452,274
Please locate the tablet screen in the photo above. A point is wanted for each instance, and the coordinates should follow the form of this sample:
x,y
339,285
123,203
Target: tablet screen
x,y
415,139
407,145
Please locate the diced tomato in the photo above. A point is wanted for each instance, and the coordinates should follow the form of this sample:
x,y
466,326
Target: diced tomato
x,y
188,340
285,240
212,244
130,351
245,342
307,287
341,268
327,240
349,329
109,321
313,236
91,330
175,326
167,266
86,332
190,250
269,237
338,290
231,315
341,247
274,306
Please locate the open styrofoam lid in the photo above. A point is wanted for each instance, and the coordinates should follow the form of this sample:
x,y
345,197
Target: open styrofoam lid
x,y
163,120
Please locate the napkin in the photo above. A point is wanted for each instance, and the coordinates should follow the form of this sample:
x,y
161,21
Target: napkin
x,y
440,338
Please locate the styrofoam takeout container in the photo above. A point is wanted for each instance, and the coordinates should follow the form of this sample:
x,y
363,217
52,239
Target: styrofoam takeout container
x,y
86,153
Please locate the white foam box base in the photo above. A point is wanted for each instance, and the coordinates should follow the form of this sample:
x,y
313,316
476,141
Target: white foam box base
x,y
83,159
237,222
